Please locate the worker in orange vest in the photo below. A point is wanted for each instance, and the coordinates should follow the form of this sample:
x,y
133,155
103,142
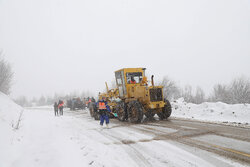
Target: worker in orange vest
x,y
60,106
103,111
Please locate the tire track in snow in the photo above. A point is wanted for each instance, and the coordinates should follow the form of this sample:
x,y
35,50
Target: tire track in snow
x,y
134,154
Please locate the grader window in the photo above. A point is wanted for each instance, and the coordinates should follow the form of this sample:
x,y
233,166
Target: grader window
x,y
133,78
120,83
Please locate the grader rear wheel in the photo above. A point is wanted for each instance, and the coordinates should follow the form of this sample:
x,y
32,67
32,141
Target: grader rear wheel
x,y
150,113
96,116
92,110
135,113
121,111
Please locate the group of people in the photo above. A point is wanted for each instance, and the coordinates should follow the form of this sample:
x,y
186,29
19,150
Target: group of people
x,y
102,106
58,106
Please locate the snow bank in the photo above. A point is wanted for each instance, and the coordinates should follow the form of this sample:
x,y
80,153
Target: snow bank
x,y
10,118
10,113
212,112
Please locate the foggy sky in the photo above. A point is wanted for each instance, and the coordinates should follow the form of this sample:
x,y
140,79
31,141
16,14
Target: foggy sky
x,y
75,45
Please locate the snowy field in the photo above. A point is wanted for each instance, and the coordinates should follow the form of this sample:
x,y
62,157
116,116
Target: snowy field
x,y
75,139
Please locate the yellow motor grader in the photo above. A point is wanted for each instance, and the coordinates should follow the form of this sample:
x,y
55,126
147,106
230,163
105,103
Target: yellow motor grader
x,y
137,98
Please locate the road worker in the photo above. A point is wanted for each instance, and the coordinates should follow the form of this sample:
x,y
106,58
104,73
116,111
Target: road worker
x,y
56,108
103,111
60,106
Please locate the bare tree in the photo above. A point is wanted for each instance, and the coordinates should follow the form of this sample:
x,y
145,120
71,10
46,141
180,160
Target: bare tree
x,y
6,76
240,90
170,89
41,101
187,94
220,93
199,96
22,101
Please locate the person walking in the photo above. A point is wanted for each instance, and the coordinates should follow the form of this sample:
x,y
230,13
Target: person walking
x,y
60,107
103,111
56,108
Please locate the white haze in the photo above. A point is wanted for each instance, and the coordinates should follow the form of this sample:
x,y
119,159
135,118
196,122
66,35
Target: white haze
x,y
68,45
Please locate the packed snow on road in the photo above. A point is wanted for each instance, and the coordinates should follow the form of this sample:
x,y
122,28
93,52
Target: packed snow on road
x,y
35,137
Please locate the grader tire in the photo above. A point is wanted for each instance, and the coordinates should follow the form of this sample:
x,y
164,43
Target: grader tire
x,y
121,111
96,116
166,110
135,112
161,115
150,113
92,109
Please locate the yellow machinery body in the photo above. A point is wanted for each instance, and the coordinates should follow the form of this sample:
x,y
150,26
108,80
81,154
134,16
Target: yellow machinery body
x,y
151,97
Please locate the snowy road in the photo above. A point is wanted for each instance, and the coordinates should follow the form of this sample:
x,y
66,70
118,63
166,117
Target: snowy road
x,y
75,139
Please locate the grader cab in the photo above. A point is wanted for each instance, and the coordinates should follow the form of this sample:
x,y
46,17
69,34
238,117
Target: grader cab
x,y
138,98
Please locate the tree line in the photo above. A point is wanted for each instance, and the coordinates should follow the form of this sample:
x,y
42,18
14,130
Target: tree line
x,y
237,91
6,75
49,100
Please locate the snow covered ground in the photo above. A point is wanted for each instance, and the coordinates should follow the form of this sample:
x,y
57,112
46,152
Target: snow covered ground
x,y
45,140
237,114
10,118
75,139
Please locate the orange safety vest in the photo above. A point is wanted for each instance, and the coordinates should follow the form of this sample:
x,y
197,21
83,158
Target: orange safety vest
x,y
60,105
102,106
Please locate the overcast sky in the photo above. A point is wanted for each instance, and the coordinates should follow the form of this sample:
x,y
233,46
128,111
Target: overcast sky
x,y
69,45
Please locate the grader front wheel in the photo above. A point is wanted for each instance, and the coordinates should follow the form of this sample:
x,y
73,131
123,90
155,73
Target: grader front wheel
x,y
166,110
135,112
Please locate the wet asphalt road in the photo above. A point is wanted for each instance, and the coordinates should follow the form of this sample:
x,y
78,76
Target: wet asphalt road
x,y
198,138
231,142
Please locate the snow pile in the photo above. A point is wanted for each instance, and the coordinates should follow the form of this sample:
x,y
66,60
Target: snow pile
x,y
10,118
10,113
212,112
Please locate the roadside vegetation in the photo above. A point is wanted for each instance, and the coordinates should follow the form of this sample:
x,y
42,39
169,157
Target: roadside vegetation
x,y
6,75
235,92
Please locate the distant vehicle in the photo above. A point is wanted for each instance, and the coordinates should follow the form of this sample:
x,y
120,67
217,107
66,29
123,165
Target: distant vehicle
x,y
75,103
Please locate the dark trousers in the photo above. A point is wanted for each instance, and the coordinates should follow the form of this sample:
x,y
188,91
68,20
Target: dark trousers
x,y
104,116
56,112
61,111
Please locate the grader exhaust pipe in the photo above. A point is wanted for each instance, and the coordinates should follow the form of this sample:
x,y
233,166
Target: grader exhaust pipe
x,y
152,80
